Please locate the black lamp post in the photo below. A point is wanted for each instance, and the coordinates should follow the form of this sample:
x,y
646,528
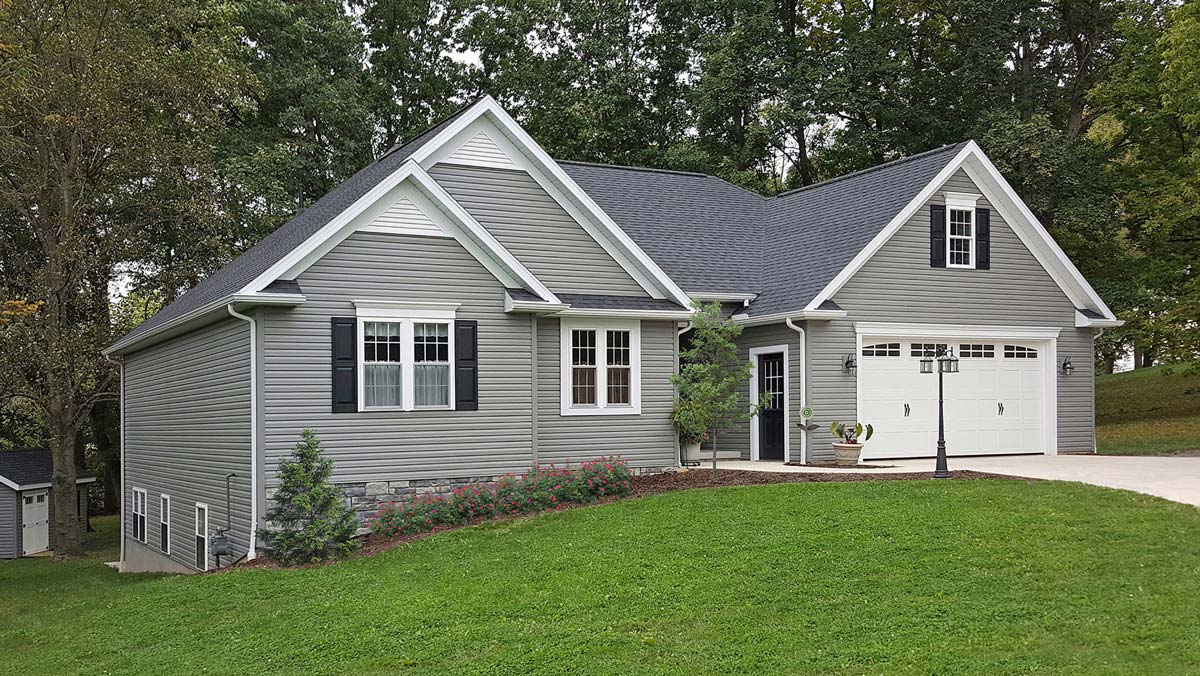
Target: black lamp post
x,y
946,363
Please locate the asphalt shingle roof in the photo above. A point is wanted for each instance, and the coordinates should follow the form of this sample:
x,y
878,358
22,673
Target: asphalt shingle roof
x,y
704,232
707,234
29,466
274,247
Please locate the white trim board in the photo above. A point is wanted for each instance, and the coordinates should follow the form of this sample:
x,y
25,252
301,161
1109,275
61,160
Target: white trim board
x,y
410,181
487,115
1010,207
787,395
955,331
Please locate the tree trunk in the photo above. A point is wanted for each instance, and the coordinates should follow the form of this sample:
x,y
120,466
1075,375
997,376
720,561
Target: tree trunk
x,y
67,539
714,466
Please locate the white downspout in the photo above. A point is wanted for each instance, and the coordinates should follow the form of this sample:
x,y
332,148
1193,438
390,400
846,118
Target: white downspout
x,y
251,550
803,390
121,455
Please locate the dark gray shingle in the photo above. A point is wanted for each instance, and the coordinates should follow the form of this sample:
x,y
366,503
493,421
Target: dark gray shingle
x,y
30,466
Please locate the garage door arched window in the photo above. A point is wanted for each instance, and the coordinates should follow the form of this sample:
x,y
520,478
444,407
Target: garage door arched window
x,y
1019,352
881,350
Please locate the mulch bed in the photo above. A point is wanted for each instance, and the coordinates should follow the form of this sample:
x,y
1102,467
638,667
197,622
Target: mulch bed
x,y
646,485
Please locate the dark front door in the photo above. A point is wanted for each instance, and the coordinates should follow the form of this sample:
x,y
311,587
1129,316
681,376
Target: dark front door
x,y
770,419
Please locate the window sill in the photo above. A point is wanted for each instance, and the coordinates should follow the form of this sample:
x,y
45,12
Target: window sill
x,y
401,409
596,410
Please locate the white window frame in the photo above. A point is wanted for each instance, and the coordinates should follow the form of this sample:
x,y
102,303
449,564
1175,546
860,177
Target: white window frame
x,y
407,315
196,532
601,327
957,201
139,516
164,519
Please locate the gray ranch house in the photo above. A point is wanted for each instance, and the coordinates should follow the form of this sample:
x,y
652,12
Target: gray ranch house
x,y
467,306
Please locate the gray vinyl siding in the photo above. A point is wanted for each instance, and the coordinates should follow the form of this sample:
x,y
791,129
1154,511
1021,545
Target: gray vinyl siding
x,y
534,228
647,440
735,442
898,285
187,425
10,524
395,445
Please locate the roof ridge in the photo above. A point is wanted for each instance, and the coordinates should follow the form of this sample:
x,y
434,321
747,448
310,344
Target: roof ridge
x,y
868,170
431,127
633,168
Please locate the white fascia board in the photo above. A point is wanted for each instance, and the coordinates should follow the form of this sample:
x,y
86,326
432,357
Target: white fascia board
x,y
1014,211
32,487
1082,321
802,315
610,236
535,307
11,484
905,330
437,204
214,307
675,315
718,297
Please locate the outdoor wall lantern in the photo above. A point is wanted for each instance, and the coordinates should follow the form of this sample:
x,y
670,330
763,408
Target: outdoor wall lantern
x,y
849,365
946,363
1067,367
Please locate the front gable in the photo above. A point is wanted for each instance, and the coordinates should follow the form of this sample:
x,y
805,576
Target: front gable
x,y
898,280
971,174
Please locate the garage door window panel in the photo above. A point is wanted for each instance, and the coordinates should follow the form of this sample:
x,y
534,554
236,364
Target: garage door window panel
x,y
881,350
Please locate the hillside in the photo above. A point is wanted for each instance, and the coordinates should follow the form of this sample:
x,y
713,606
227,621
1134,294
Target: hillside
x,y
1149,411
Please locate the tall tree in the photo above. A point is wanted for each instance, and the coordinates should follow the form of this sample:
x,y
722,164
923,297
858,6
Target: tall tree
x,y
102,99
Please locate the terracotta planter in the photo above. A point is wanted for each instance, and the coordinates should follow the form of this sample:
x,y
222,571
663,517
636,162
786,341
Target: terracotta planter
x,y
691,452
846,454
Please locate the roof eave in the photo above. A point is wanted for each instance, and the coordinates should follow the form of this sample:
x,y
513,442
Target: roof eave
x,y
201,315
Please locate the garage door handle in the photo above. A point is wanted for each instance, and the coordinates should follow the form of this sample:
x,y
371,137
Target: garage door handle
x,y
1000,405
907,410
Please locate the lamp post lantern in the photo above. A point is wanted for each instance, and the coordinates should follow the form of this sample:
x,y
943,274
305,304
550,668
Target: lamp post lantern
x,y
946,363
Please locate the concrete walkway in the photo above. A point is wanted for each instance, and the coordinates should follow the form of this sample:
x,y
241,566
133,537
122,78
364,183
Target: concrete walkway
x,y
1173,478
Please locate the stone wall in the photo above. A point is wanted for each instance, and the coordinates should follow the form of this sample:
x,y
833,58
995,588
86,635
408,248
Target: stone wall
x,y
366,499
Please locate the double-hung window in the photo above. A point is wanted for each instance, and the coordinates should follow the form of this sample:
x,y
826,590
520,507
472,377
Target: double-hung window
x,y
960,230
139,515
406,355
601,367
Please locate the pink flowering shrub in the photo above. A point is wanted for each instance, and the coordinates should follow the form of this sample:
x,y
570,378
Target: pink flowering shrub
x,y
544,488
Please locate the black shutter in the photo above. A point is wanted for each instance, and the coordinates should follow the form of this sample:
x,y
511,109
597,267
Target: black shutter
x,y
344,342
983,239
937,235
466,366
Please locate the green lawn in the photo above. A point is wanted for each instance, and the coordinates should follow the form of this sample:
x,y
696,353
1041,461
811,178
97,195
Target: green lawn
x,y
992,576
1150,411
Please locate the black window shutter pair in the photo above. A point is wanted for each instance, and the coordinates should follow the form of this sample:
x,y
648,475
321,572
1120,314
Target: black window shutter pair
x,y
937,237
344,348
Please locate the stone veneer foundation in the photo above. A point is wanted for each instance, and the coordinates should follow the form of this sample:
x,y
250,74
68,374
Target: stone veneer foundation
x,y
366,498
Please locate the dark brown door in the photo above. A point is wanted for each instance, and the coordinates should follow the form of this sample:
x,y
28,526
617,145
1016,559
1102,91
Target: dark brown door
x,y
770,419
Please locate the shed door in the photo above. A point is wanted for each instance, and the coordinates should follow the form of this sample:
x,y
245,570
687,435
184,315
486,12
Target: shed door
x,y
35,531
993,405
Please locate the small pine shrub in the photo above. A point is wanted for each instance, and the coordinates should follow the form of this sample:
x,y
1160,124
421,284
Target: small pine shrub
x,y
310,523
544,488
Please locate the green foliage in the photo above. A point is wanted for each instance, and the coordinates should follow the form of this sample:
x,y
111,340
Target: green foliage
x,y
900,577
309,521
712,377
544,488
851,435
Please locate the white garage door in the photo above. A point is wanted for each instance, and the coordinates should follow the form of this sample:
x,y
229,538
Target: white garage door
x,y
993,405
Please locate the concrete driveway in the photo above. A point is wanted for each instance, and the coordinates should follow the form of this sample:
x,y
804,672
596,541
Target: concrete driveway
x,y
1173,478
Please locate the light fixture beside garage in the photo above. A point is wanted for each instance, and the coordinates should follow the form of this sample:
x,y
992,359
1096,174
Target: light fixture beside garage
x,y
849,365
1067,367
946,363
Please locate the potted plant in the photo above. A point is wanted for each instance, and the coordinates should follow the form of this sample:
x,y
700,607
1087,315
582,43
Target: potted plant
x,y
690,422
849,448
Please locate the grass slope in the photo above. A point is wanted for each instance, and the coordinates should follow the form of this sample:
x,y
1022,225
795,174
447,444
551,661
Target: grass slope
x,y
1149,411
983,576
